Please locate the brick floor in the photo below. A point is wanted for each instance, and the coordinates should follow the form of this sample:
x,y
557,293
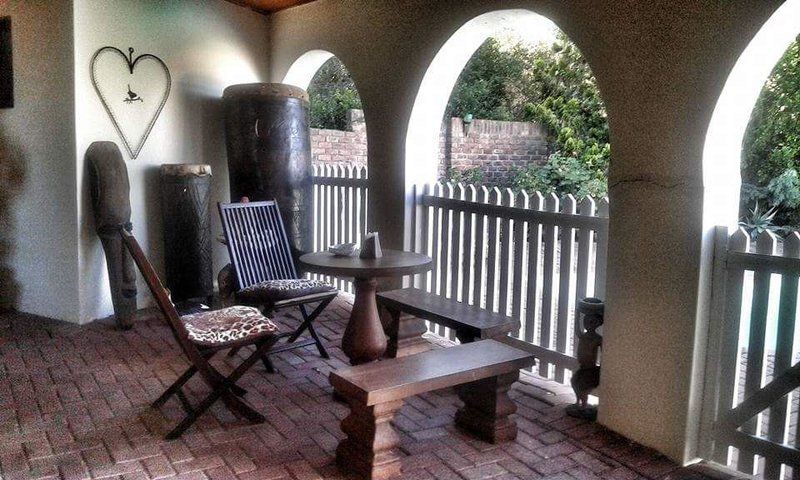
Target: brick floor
x,y
74,405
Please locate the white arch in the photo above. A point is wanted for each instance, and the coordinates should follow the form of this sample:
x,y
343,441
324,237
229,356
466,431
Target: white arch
x,y
422,138
723,146
305,67
422,134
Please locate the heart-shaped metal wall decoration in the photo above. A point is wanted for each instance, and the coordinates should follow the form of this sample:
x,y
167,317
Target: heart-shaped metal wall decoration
x,y
133,92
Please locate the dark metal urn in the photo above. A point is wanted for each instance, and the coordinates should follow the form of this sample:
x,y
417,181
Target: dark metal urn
x,y
186,197
269,152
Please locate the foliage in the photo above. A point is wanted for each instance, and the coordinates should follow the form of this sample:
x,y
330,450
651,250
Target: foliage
x,y
468,176
771,148
550,84
562,175
332,93
759,221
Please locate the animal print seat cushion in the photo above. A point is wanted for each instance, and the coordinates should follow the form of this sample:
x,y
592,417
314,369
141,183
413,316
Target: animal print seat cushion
x,y
276,290
227,325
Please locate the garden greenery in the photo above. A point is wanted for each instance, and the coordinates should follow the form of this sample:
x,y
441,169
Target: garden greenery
x,y
332,93
771,148
551,84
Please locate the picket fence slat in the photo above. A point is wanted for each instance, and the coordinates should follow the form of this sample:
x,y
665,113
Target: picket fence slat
x,y
532,301
754,373
787,312
729,351
505,241
585,239
480,248
550,235
467,266
568,207
518,250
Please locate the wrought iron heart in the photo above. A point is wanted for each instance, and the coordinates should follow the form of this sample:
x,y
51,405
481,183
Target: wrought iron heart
x,y
133,92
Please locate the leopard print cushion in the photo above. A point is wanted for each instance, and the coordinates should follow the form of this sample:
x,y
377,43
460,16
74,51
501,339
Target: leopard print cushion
x,y
227,325
276,290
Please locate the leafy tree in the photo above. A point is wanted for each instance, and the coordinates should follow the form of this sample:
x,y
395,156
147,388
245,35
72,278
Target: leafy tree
x,y
332,93
551,84
771,148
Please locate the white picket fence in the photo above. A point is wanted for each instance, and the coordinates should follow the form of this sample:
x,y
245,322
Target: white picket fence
x,y
751,397
527,255
340,209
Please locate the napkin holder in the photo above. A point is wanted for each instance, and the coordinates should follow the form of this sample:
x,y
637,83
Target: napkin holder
x,y
371,246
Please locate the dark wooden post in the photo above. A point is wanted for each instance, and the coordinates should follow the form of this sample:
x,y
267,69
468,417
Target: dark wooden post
x,y
186,198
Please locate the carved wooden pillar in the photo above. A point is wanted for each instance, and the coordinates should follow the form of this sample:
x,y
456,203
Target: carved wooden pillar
x,y
186,198
370,447
487,407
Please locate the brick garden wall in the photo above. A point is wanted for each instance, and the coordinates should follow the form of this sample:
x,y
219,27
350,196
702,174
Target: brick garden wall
x,y
493,146
337,146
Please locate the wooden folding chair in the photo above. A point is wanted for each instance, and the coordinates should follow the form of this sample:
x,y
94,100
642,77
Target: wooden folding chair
x,y
200,336
265,272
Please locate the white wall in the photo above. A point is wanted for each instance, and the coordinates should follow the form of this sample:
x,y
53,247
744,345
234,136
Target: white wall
x,y
207,46
660,67
38,226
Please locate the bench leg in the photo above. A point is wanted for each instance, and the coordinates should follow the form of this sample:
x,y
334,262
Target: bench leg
x,y
487,407
369,450
404,334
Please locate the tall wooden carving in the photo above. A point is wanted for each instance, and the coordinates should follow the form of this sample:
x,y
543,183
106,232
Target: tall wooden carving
x,y
587,377
110,192
186,198
269,152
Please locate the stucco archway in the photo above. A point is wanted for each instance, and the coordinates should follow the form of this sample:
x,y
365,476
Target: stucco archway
x,y
305,67
723,145
422,137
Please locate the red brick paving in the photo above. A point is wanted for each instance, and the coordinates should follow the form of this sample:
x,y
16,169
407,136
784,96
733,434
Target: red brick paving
x,y
74,404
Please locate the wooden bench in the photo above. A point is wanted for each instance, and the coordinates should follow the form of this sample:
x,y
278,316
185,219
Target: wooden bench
x,y
482,371
470,322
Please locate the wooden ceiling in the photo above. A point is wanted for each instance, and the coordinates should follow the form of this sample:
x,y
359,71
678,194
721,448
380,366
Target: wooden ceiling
x,y
269,6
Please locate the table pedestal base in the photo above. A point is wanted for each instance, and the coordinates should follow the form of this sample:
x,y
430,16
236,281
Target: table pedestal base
x,y
364,340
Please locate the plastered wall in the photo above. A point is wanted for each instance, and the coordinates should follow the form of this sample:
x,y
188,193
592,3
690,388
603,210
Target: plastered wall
x,y
38,226
207,46
660,66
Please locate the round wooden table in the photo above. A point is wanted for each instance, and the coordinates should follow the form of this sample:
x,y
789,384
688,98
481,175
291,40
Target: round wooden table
x,y
364,339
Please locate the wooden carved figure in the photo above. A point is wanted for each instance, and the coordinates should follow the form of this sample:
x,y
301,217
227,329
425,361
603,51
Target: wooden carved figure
x,y
587,377
110,192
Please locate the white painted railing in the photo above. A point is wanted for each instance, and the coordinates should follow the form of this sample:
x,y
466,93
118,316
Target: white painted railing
x,y
750,398
340,209
527,255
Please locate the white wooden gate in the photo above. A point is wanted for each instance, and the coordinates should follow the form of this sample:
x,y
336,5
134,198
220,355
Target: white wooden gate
x,y
751,397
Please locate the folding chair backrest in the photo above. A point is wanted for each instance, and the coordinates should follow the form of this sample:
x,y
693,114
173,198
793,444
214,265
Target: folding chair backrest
x,y
257,242
159,292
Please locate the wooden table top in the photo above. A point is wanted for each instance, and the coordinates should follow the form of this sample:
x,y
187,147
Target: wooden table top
x,y
393,263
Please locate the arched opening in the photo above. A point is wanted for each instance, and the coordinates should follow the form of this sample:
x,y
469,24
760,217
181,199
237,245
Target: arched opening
x,y
338,150
506,250
722,152
752,154
304,68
